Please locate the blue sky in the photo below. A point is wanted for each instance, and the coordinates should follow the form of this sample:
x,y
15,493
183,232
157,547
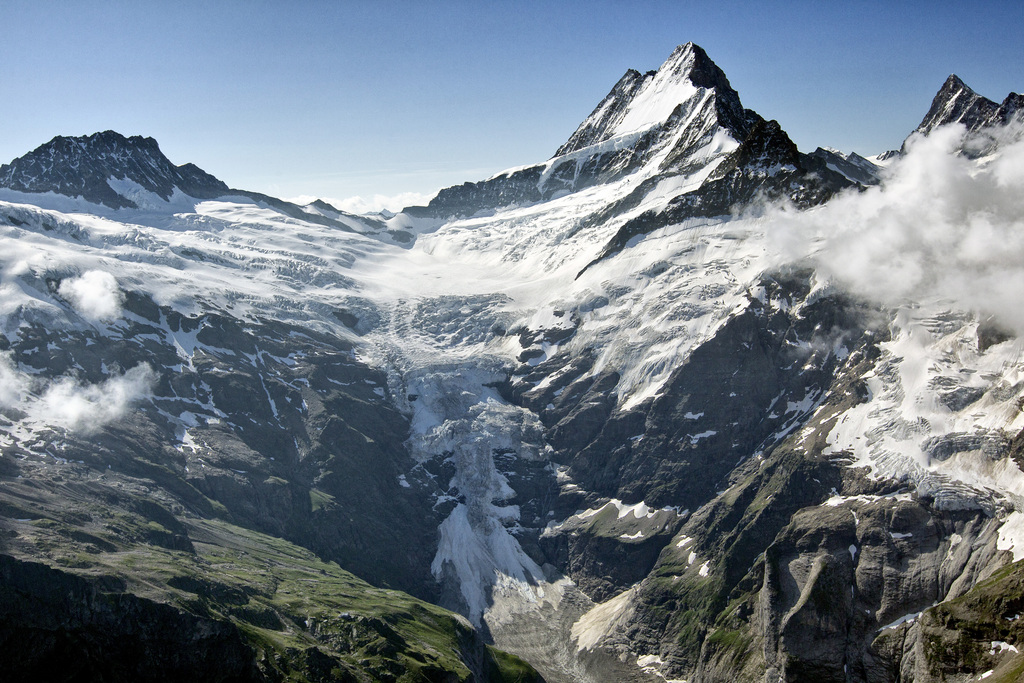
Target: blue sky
x,y
338,99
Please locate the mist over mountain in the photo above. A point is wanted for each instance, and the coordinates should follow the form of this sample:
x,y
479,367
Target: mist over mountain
x,y
680,403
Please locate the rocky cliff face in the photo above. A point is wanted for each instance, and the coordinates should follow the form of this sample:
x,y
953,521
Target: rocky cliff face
x,y
586,405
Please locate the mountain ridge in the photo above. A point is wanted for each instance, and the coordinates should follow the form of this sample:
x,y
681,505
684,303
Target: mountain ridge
x,y
678,120
82,166
119,172
956,102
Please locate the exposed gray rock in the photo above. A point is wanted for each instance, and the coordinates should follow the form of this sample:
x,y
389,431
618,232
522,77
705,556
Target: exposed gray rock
x,y
81,167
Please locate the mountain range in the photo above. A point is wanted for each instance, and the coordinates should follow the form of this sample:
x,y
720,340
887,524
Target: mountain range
x,y
676,404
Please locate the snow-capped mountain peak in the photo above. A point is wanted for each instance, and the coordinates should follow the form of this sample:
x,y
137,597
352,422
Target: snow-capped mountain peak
x,y
106,168
640,102
683,119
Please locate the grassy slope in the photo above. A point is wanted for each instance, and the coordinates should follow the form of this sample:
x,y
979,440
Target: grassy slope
x,y
299,614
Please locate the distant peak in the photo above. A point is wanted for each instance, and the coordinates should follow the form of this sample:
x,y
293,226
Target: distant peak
x,y
323,206
105,142
955,102
84,166
954,85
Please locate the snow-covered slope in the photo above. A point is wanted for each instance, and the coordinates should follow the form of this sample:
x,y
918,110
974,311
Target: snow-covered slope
x,y
107,171
661,98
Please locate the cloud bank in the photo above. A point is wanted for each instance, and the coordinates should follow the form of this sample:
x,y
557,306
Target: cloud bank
x,y
940,227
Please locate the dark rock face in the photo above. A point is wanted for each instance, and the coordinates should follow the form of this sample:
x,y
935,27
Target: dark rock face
x,y
957,103
854,167
742,392
81,167
303,443
962,636
519,187
67,628
791,562
605,554
774,571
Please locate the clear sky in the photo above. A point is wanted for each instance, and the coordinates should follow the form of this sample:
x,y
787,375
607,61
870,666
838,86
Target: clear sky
x,y
341,99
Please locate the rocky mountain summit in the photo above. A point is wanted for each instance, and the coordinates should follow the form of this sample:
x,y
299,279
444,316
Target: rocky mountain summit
x,y
957,103
118,172
84,166
639,102
682,121
611,413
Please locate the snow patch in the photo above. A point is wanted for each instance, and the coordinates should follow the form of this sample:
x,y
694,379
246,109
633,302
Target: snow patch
x,y
905,619
602,620
1011,535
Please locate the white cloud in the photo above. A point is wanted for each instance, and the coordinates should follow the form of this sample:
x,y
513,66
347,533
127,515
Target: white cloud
x,y
941,227
13,383
95,295
362,205
87,407
66,402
